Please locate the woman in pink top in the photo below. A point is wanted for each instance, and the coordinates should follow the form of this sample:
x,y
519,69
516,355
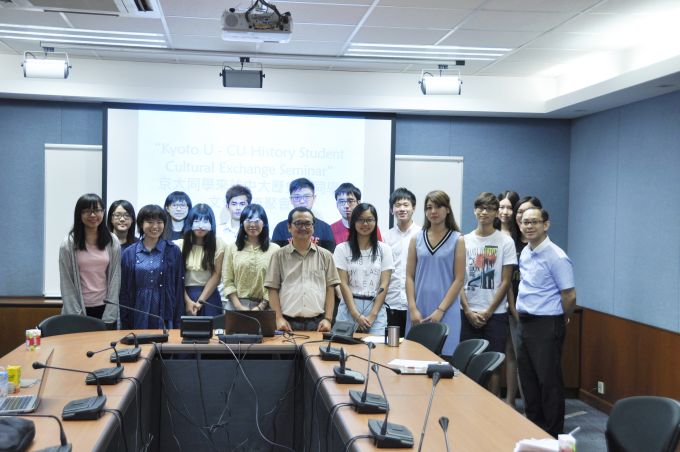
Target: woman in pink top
x,y
89,264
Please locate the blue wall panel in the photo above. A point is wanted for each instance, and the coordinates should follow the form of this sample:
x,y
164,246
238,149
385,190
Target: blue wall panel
x,y
530,156
25,127
592,208
625,183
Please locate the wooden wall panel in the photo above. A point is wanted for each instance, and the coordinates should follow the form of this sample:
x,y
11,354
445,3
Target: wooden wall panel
x,y
629,357
20,314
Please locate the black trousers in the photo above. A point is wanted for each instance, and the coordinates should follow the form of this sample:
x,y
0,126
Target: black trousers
x,y
397,317
539,360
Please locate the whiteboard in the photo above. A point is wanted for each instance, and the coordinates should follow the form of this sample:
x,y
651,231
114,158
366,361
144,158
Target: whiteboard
x,y
70,171
422,174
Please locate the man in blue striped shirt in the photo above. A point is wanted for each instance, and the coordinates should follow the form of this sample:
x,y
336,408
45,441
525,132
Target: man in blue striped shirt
x,y
545,302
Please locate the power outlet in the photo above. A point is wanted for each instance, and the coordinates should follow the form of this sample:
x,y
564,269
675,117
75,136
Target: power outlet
x,y
600,387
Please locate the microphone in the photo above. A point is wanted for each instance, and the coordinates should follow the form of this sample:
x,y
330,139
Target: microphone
x,y
126,355
329,353
65,446
239,338
86,409
385,434
143,338
363,401
110,375
444,423
344,375
435,379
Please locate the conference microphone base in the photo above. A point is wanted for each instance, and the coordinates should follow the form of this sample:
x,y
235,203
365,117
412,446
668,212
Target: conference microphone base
x,y
349,340
395,436
146,339
126,355
108,376
348,376
329,353
240,338
84,409
373,404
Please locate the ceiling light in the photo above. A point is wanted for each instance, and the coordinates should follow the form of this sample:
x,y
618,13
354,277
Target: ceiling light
x,y
48,65
445,83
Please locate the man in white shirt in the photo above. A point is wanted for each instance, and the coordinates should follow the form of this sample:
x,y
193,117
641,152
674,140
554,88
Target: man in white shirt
x,y
238,197
490,260
403,204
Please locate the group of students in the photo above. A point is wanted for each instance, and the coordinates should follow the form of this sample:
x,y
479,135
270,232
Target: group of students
x,y
184,264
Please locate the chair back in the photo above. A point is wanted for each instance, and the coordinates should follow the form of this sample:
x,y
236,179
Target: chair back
x,y
70,323
644,423
465,351
482,366
431,335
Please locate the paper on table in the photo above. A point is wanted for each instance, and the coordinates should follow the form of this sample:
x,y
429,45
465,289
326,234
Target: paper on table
x,y
537,445
377,339
412,366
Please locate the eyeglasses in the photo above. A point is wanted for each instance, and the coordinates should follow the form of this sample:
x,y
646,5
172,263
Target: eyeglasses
x,y
124,216
486,209
179,205
366,220
298,198
346,202
252,222
303,224
531,222
89,212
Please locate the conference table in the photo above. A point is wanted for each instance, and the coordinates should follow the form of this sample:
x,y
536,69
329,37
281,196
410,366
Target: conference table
x,y
229,397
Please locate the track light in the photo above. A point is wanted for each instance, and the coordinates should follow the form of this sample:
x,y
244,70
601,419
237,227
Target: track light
x,y
48,65
243,78
448,82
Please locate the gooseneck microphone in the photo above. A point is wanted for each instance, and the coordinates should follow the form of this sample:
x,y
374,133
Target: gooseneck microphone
x,y
385,434
238,338
147,338
435,379
86,409
126,355
64,446
329,353
444,423
363,401
344,375
107,376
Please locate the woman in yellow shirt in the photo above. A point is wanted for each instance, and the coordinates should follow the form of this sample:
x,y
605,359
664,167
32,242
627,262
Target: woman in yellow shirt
x,y
247,260
203,253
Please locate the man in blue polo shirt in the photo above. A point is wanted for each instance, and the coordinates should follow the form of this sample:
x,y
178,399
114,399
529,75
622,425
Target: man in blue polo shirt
x,y
545,302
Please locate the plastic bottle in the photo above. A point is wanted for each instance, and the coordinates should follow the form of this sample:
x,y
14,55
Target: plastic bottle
x,y
3,383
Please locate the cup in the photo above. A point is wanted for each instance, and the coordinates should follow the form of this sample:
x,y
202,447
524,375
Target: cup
x,y
393,336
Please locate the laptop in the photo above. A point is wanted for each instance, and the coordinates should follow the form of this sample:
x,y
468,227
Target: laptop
x,y
26,403
237,323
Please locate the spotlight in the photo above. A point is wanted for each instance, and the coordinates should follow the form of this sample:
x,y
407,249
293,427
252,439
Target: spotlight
x,y
48,65
243,78
445,83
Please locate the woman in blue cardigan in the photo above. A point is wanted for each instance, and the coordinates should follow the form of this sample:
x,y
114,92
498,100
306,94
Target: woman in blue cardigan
x,y
152,275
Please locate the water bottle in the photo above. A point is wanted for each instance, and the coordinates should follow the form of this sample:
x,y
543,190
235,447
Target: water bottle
x,y
3,383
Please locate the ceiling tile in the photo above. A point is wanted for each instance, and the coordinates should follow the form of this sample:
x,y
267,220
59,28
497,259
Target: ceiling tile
x,y
415,17
327,14
552,56
23,17
514,21
383,35
637,6
207,43
477,38
514,68
110,23
445,4
194,27
208,9
540,5
302,48
329,33
578,41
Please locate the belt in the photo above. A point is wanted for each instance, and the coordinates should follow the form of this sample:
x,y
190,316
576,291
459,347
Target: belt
x,y
362,297
526,317
303,318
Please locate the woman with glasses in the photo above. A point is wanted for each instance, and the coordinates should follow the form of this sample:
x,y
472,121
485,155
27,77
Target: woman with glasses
x,y
365,266
435,270
152,276
89,264
247,260
120,221
178,205
202,253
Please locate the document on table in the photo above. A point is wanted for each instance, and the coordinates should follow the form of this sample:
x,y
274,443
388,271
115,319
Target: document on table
x,y
412,366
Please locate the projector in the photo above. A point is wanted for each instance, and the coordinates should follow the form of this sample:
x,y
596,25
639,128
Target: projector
x,y
256,25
